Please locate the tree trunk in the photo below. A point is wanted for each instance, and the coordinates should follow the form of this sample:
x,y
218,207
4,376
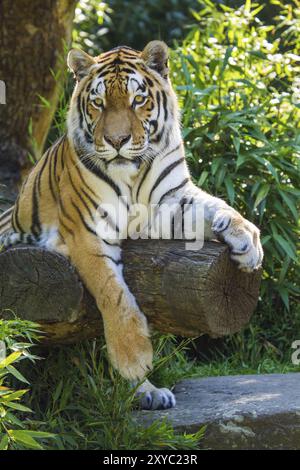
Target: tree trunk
x,y
181,292
33,35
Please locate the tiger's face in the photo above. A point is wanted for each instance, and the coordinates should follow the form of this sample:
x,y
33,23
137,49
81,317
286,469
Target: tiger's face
x,y
123,107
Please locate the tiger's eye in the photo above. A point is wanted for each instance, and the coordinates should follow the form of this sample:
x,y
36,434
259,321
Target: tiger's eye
x,y
139,99
98,102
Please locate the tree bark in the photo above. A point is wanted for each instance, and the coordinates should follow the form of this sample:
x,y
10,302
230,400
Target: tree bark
x,y
183,292
33,35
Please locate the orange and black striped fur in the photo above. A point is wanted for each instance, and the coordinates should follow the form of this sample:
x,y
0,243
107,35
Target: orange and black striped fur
x,y
123,146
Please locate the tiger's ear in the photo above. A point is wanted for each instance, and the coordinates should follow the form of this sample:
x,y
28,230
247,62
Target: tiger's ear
x,y
156,55
79,62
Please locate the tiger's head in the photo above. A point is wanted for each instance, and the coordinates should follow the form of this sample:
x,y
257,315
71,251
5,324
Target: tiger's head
x,y
123,109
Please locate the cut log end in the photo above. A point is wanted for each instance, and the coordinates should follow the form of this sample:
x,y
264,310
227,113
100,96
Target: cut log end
x,y
183,292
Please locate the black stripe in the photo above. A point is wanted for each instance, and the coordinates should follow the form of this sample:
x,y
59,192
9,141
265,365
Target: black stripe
x,y
140,86
172,190
158,104
62,140
158,137
88,87
4,228
121,48
104,71
148,80
182,203
120,297
51,170
28,238
62,154
165,173
165,102
110,243
113,225
171,151
82,179
128,70
4,220
15,218
142,181
173,227
116,261
88,228
7,222
69,230
100,174
39,176
35,219
154,124
79,110
79,196
64,212
6,213
92,201
61,236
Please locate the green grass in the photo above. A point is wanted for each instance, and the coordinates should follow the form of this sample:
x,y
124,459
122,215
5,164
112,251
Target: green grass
x,y
75,400
78,397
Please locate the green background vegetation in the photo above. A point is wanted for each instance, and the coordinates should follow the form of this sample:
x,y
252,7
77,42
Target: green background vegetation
x,y
236,68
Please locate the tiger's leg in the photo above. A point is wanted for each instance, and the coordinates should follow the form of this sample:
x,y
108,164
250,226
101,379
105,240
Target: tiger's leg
x,y
219,221
126,331
125,327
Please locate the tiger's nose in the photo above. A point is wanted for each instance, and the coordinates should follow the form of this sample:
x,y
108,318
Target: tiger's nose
x,y
118,141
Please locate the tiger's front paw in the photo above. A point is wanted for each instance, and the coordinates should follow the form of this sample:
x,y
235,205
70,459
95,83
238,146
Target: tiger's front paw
x,y
153,398
241,236
129,347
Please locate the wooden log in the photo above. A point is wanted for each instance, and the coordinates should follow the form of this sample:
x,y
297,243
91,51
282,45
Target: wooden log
x,y
183,292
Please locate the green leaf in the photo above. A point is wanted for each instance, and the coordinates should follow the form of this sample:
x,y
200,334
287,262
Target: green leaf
x,y
262,193
41,434
220,176
230,189
242,158
237,143
272,170
17,374
284,294
259,54
4,442
284,270
12,419
290,203
226,58
285,246
24,437
17,406
265,239
10,359
44,101
14,395
247,6
202,178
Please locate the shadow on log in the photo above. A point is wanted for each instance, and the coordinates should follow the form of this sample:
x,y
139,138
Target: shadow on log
x,y
183,292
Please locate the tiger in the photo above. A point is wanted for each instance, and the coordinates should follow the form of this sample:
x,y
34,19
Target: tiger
x,y
123,146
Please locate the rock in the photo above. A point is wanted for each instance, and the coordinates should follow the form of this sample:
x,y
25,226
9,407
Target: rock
x,y
240,412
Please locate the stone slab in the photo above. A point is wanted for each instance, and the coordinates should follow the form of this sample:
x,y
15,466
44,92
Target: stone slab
x,y
239,412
